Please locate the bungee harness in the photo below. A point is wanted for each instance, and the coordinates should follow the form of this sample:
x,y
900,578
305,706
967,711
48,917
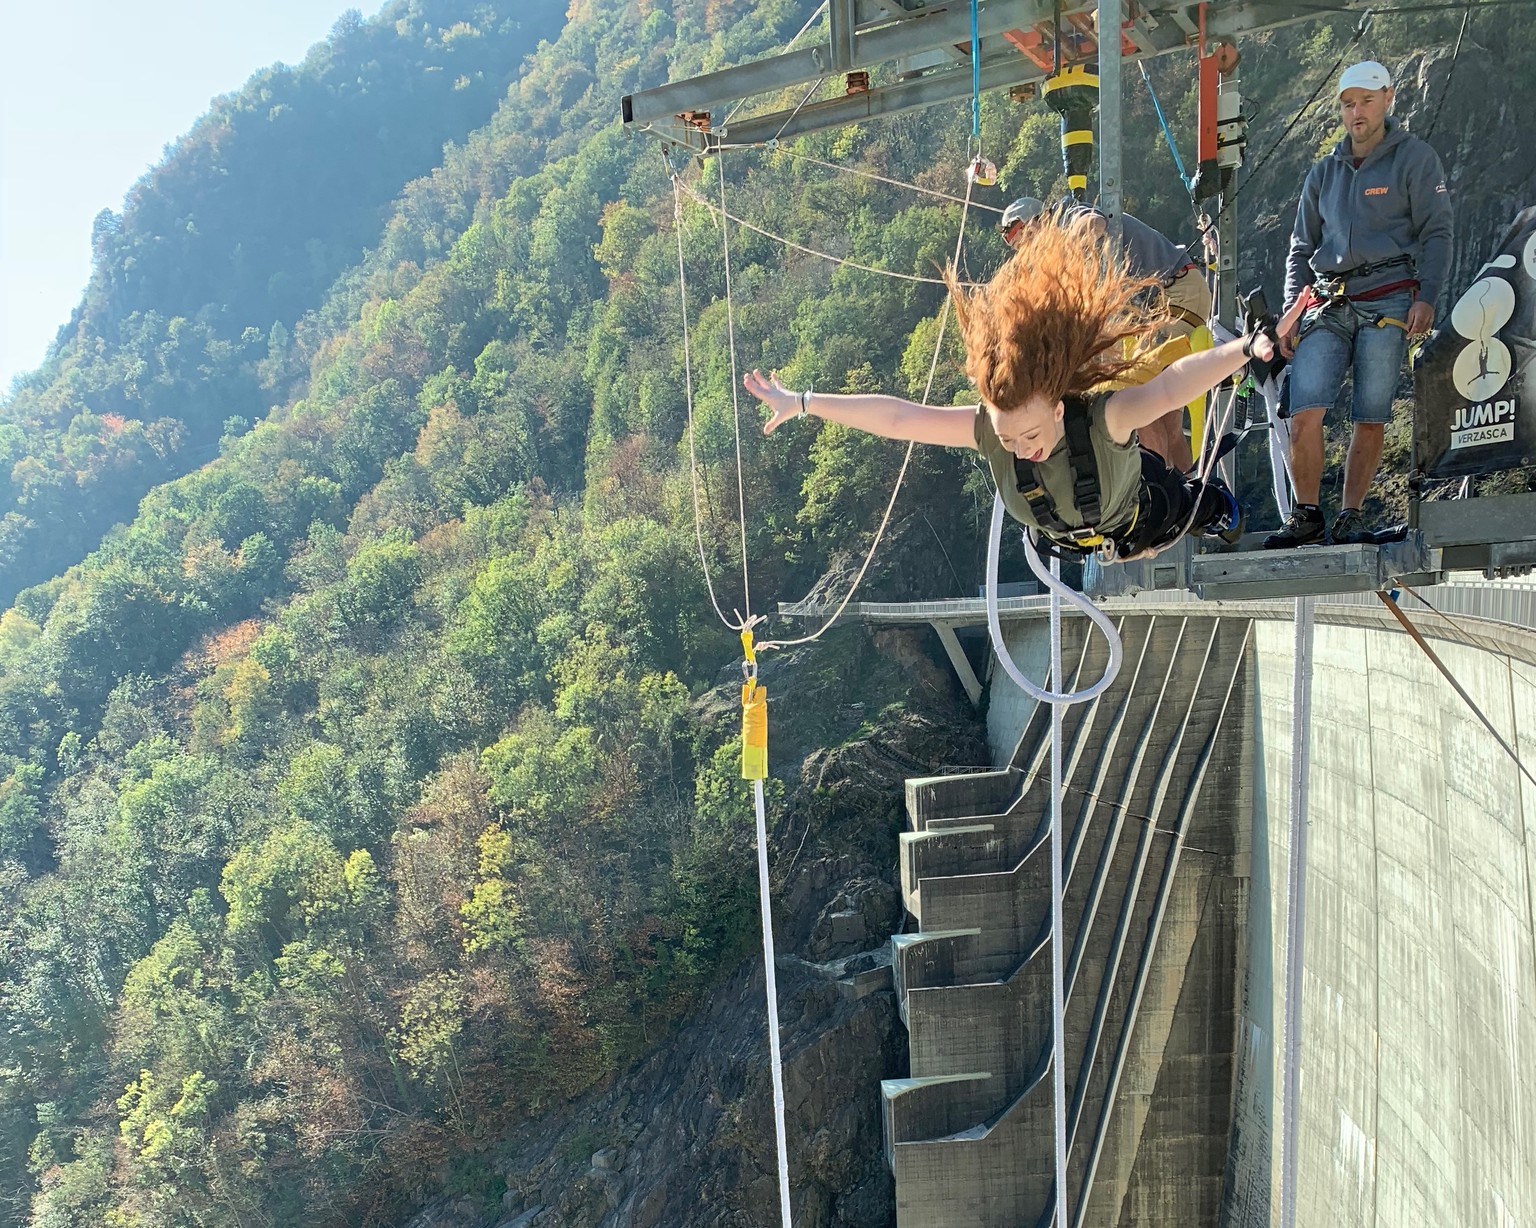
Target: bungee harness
x,y
1333,291
1149,528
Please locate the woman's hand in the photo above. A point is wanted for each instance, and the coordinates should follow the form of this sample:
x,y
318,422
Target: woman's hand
x,y
784,403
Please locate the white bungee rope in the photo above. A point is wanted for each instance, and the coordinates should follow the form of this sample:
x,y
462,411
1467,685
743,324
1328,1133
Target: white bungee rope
x,y
1053,585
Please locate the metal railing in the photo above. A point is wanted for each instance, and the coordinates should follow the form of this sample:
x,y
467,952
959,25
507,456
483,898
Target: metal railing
x,y
1512,602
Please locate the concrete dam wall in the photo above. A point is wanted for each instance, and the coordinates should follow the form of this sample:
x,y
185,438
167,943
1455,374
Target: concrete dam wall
x,y
1418,1047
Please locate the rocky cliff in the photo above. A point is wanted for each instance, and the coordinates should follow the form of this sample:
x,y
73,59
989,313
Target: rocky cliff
x,y
685,1138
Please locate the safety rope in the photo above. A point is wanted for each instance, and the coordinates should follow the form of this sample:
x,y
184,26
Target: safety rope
x,y
754,767
693,460
1205,461
789,46
809,251
771,989
730,329
1055,587
1457,625
1450,73
886,179
1058,890
890,504
1162,119
1360,30
1390,601
976,71
754,696
815,85
1282,477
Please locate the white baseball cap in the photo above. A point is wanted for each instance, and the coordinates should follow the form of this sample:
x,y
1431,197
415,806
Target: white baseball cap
x,y
1366,75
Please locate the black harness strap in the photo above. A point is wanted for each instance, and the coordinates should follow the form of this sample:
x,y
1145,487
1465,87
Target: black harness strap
x,y
1365,270
1085,483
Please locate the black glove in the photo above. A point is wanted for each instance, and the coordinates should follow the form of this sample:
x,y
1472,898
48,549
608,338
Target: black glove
x,y
1259,321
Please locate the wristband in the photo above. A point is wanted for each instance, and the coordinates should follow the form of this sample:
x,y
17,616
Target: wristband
x,y
805,403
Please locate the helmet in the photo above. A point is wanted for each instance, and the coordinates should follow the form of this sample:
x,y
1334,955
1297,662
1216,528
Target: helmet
x,y
1025,209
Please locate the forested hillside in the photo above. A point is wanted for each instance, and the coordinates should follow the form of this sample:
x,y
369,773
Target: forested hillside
x,y
360,797
186,330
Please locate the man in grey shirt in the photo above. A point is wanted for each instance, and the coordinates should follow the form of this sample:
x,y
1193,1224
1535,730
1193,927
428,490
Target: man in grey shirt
x,y
1372,244
1148,253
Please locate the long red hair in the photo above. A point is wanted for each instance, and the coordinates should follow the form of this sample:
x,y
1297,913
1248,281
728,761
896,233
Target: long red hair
x,y
1054,321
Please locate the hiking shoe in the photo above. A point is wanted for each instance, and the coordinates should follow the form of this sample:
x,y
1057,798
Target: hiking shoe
x,y
1350,528
1301,528
1230,524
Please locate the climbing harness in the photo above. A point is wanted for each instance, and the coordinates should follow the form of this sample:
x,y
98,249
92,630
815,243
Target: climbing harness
x,y
1331,294
1084,468
1128,542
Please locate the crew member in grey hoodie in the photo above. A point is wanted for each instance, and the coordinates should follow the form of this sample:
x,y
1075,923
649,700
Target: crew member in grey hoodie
x,y
1375,217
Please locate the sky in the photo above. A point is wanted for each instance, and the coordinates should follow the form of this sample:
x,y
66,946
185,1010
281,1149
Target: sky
x,y
91,93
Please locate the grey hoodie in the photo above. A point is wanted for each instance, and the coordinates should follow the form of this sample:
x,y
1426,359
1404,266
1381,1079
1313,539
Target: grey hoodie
x,y
1395,204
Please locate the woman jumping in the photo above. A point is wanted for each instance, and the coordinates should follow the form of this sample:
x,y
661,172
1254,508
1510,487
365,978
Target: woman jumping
x,y
1045,341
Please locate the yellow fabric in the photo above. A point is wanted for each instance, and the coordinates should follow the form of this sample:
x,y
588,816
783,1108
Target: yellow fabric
x,y
1192,294
1149,364
754,732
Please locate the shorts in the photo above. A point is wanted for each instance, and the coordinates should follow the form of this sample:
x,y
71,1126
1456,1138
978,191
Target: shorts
x,y
1343,339
1190,294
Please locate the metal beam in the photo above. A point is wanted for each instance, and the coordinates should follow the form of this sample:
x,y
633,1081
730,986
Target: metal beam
x,y
960,661
931,89
1465,522
844,22
940,27
1110,115
930,30
1230,20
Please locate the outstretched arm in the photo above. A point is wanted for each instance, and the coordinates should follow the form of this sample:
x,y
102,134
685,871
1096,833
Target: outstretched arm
x,y
1180,382
892,417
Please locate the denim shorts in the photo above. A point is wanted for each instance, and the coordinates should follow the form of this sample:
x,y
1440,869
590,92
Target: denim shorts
x,y
1343,341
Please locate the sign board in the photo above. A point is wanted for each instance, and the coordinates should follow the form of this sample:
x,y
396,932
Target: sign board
x,y
1474,383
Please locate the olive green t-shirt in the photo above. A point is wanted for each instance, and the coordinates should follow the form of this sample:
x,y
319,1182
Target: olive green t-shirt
x,y
1119,473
